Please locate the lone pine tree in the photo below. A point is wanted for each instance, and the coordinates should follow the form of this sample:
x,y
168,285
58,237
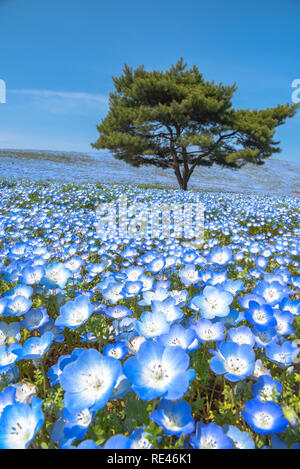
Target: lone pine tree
x,y
175,119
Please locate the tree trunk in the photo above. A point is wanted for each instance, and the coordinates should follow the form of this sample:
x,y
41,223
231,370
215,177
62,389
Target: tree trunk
x,y
182,176
182,179
184,185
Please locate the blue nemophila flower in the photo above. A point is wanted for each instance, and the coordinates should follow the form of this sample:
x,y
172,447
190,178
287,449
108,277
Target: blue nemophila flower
x,y
35,318
56,370
77,423
9,354
180,297
284,321
122,387
7,397
117,350
94,269
35,347
132,288
12,273
218,278
235,361
261,262
261,316
174,417
272,292
189,256
113,292
241,335
266,388
293,306
264,418
156,265
296,281
118,442
134,342
20,290
32,275
284,354
134,272
56,275
159,294
245,300
9,332
210,436
189,275
152,324
147,282
254,273
178,336
58,435
49,326
158,371
139,440
86,444
240,440
89,380
122,328
234,317
89,337
74,264
3,303
233,286
118,312
207,331
260,370
17,306
220,255
75,313
205,276
171,311
212,302
165,284
264,338
19,423
19,250
277,443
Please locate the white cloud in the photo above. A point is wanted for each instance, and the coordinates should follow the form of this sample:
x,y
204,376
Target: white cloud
x,y
64,102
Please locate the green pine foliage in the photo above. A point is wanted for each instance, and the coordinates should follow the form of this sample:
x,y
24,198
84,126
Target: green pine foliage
x,y
175,119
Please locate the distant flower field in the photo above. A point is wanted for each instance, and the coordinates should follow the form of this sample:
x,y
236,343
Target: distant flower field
x,y
148,343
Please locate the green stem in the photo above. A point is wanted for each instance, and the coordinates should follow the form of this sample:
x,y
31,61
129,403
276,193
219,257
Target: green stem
x,y
283,381
212,393
45,380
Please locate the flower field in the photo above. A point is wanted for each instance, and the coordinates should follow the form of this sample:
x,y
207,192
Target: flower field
x,y
148,343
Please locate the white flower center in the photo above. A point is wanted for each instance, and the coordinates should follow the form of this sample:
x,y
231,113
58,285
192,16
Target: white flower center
x,y
236,365
171,422
7,358
207,334
263,420
271,294
208,443
176,342
84,418
260,317
77,317
241,339
21,432
157,375
213,303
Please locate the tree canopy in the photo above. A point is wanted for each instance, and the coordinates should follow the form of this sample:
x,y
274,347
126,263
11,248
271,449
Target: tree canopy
x,y
175,119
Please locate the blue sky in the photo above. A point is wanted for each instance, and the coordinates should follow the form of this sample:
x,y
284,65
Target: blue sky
x,y
57,58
